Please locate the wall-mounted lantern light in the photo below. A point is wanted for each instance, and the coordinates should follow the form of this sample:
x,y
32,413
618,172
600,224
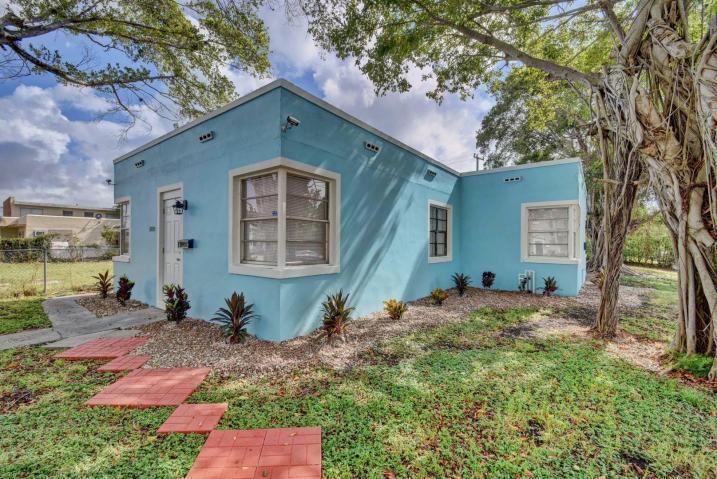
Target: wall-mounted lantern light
x,y
180,206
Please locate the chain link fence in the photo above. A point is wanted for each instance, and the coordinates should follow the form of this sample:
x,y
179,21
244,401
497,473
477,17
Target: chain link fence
x,y
33,272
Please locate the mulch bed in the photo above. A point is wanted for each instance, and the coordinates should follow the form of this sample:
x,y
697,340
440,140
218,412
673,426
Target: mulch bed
x,y
108,306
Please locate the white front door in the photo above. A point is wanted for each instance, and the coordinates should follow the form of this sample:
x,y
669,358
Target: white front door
x,y
171,224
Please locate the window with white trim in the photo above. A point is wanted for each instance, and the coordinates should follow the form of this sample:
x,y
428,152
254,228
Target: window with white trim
x,y
125,221
439,231
550,232
284,221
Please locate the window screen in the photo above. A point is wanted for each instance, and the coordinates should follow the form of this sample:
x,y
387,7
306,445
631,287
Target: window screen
x,y
438,231
307,220
259,219
548,232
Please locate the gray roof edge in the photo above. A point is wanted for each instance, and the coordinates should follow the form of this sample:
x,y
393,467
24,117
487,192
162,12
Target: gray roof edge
x,y
287,85
539,164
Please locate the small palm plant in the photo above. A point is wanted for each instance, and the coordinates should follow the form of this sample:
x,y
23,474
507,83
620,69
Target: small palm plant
x,y
124,289
462,281
235,317
336,315
438,296
176,302
395,308
488,278
550,285
104,283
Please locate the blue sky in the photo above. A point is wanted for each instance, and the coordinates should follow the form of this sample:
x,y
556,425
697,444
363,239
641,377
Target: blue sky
x,y
56,146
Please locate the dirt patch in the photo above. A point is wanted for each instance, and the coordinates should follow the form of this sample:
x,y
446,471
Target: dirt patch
x,y
12,400
108,306
194,343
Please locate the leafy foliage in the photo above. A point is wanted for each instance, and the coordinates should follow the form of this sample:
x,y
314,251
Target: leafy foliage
x,y
488,279
438,296
550,285
235,318
336,315
697,364
395,308
21,314
176,302
462,282
110,235
124,289
104,283
650,242
167,55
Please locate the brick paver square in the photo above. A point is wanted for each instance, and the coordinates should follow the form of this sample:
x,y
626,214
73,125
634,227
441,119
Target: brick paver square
x,y
124,363
151,388
199,418
103,348
287,453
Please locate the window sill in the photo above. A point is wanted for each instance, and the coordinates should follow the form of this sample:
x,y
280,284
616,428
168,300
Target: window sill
x,y
286,272
549,260
121,258
440,259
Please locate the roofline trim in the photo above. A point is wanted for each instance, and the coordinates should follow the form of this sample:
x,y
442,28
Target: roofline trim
x,y
287,85
61,205
539,164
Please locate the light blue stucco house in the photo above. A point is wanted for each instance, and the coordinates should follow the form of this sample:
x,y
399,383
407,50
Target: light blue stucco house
x,y
286,198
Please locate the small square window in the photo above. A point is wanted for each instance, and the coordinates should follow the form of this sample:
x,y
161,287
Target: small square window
x,y
68,213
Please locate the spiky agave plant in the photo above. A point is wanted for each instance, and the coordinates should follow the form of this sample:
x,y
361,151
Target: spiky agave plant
x,y
336,315
235,318
462,281
395,308
104,283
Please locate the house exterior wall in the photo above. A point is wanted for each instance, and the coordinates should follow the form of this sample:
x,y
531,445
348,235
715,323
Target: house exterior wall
x,y
383,213
491,221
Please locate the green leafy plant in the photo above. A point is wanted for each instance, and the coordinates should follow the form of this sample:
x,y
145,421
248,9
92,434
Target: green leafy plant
x,y
438,296
550,285
696,364
235,318
104,283
176,302
395,308
124,289
462,281
488,278
336,314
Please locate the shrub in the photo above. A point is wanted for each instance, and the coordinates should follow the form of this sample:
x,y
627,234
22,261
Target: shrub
x,y
176,302
124,289
438,296
462,281
550,285
104,283
488,278
395,308
235,317
336,315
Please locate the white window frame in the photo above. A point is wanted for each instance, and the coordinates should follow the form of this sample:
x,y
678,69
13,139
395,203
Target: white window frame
x,y
573,232
281,270
449,233
124,258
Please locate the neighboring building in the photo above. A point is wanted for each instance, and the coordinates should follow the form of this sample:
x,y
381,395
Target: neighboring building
x,y
83,225
289,198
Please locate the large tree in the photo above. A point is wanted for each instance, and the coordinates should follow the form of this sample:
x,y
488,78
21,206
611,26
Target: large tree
x,y
171,56
654,104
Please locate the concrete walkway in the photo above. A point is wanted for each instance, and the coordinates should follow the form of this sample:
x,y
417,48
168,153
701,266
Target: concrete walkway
x,y
72,325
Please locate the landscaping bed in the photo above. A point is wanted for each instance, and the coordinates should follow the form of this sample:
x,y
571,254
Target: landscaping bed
x,y
108,306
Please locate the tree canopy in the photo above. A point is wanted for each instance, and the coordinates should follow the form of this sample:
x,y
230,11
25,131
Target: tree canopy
x,y
170,56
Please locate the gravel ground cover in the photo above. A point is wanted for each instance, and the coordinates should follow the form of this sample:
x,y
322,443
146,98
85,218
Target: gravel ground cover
x,y
108,306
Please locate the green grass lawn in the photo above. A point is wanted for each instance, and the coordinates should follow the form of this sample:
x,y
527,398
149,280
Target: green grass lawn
x,y
465,400
26,279
21,314
655,320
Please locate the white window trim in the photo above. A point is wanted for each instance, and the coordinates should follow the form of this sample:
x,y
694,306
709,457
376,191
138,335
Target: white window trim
x,y
449,233
573,232
125,258
281,270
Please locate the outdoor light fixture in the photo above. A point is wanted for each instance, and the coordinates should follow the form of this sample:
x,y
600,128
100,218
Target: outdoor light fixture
x,y
180,206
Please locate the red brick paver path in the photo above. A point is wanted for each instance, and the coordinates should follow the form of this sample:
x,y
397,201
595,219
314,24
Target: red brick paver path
x,y
151,387
124,363
199,418
288,453
106,348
